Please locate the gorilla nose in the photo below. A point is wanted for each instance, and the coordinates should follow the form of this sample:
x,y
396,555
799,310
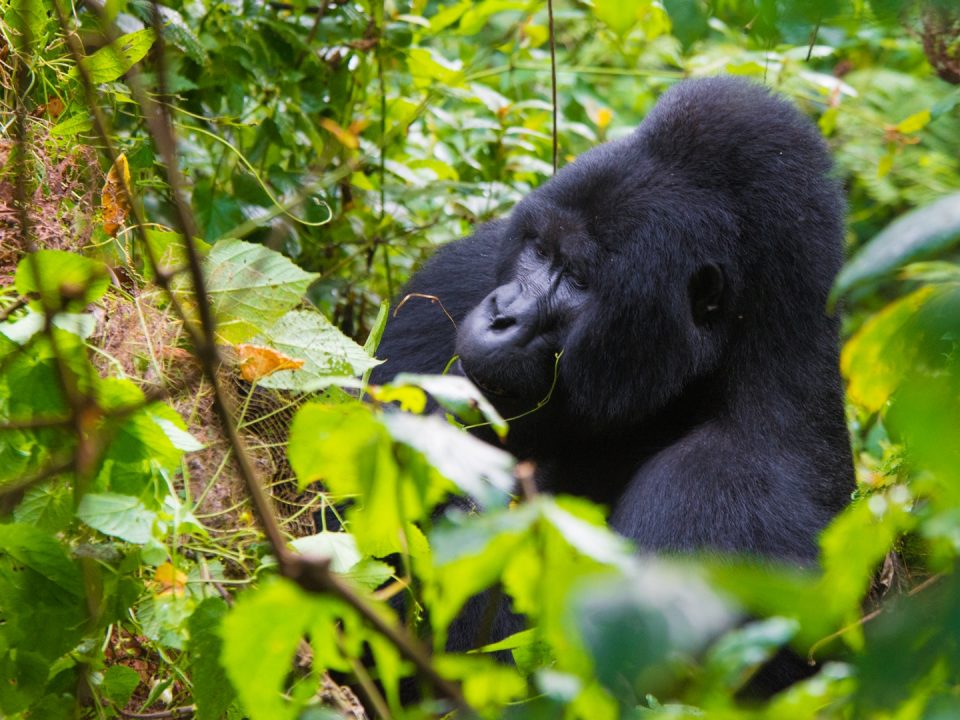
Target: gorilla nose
x,y
502,322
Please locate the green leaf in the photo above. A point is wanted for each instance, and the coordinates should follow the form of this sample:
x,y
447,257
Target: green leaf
x,y
339,547
48,506
631,625
74,125
260,636
919,234
730,661
27,19
119,682
482,471
251,287
62,279
328,355
459,396
892,342
854,545
111,62
212,690
43,554
121,516
350,450
619,15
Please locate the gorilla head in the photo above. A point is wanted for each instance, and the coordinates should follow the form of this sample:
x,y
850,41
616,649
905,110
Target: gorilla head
x,y
694,255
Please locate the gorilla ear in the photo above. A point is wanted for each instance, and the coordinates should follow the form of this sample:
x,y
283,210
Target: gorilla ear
x,y
706,292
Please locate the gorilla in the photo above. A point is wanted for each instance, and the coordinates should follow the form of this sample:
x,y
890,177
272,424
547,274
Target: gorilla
x,y
666,291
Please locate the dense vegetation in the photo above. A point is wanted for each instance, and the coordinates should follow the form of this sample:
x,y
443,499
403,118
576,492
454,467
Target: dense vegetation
x,y
204,206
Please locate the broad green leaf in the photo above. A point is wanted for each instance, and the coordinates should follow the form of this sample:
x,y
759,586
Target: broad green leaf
x,y
212,690
111,62
27,19
48,506
458,395
339,548
251,287
74,125
487,685
121,516
348,448
630,625
42,553
260,636
854,545
919,234
24,674
62,279
732,658
428,67
119,682
482,471
327,354
914,123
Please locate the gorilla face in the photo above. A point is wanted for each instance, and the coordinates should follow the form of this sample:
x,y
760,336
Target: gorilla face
x,y
634,288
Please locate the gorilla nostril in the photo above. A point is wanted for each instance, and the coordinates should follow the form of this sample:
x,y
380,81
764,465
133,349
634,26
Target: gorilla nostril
x,y
502,322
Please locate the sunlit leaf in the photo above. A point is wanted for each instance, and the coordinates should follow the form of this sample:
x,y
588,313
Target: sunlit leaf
x,y
109,63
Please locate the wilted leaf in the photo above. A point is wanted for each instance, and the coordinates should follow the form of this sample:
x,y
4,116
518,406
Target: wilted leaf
x,y
257,362
169,580
114,198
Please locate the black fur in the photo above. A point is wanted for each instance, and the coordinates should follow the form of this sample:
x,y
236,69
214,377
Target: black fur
x,y
683,271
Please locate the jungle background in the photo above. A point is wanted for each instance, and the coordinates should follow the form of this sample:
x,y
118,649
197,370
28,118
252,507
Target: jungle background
x,y
204,207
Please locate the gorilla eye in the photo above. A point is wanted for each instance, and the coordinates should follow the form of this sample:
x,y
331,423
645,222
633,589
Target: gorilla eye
x,y
540,250
578,281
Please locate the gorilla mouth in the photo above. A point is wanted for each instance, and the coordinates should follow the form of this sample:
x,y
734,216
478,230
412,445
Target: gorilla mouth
x,y
488,389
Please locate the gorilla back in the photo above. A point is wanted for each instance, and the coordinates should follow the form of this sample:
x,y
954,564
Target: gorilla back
x,y
681,275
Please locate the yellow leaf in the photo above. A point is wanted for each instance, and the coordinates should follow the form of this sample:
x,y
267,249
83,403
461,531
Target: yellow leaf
x,y
344,136
603,118
915,122
875,359
257,362
885,164
169,581
411,399
114,198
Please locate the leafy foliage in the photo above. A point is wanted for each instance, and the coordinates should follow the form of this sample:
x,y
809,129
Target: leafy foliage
x,y
325,148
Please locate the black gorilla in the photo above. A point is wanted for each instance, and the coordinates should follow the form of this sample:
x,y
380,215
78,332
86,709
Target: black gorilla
x,y
683,272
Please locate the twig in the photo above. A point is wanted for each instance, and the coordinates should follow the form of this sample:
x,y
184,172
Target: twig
x,y
865,619
185,711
